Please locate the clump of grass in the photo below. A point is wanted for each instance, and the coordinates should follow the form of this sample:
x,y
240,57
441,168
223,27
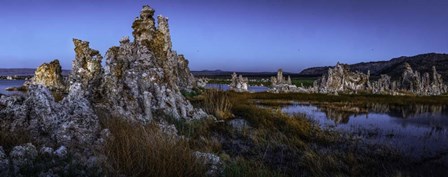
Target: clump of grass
x,y
199,133
138,150
272,120
305,81
322,165
241,167
217,103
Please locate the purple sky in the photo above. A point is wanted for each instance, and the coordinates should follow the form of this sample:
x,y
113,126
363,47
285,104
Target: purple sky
x,y
250,35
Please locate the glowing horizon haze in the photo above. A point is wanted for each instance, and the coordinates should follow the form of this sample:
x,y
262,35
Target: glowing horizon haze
x,y
233,35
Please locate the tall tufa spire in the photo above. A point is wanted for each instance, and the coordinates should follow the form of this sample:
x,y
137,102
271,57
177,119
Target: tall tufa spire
x,y
144,26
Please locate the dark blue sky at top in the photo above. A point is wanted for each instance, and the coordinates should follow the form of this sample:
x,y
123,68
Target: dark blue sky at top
x,y
251,35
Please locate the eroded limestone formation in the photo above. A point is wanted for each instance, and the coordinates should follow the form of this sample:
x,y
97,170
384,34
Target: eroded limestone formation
x,y
70,123
86,68
239,83
421,84
202,82
437,86
410,80
141,80
279,80
50,76
341,80
384,85
280,84
146,76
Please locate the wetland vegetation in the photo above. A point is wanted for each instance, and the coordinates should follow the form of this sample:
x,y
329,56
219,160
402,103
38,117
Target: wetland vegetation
x,y
276,143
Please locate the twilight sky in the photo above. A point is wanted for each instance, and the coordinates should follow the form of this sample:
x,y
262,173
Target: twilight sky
x,y
249,35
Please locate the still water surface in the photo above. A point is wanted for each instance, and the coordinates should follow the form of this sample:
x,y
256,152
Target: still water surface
x,y
413,129
4,84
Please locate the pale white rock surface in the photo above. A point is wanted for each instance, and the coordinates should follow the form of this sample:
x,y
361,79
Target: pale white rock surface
x,y
281,84
215,166
141,80
341,80
239,83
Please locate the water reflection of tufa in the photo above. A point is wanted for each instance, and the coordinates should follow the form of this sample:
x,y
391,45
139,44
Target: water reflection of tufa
x,y
406,111
340,113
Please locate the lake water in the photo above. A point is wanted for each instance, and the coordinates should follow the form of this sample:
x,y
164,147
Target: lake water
x,y
417,130
226,87
9,83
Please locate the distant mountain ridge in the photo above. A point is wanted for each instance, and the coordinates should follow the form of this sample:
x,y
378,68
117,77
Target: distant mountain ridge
x,y
394,67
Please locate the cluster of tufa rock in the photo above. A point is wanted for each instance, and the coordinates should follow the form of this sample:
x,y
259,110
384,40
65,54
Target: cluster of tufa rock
x,y
280,84
47,74
239,83
142,79
50,75
341,80
280,80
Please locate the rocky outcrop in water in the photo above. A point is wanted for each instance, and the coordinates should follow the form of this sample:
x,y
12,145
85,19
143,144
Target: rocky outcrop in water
x,y
202,82
281,84
50,76
421,84
341,80
437,86
410,80
239,83
280,80
384,85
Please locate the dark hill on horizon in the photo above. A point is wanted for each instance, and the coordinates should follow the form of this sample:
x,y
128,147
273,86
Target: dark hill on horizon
x,y
394,67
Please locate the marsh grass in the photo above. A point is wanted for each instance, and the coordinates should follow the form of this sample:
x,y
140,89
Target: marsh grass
x,y
142,150
217,103
292,145
242,167
305,81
